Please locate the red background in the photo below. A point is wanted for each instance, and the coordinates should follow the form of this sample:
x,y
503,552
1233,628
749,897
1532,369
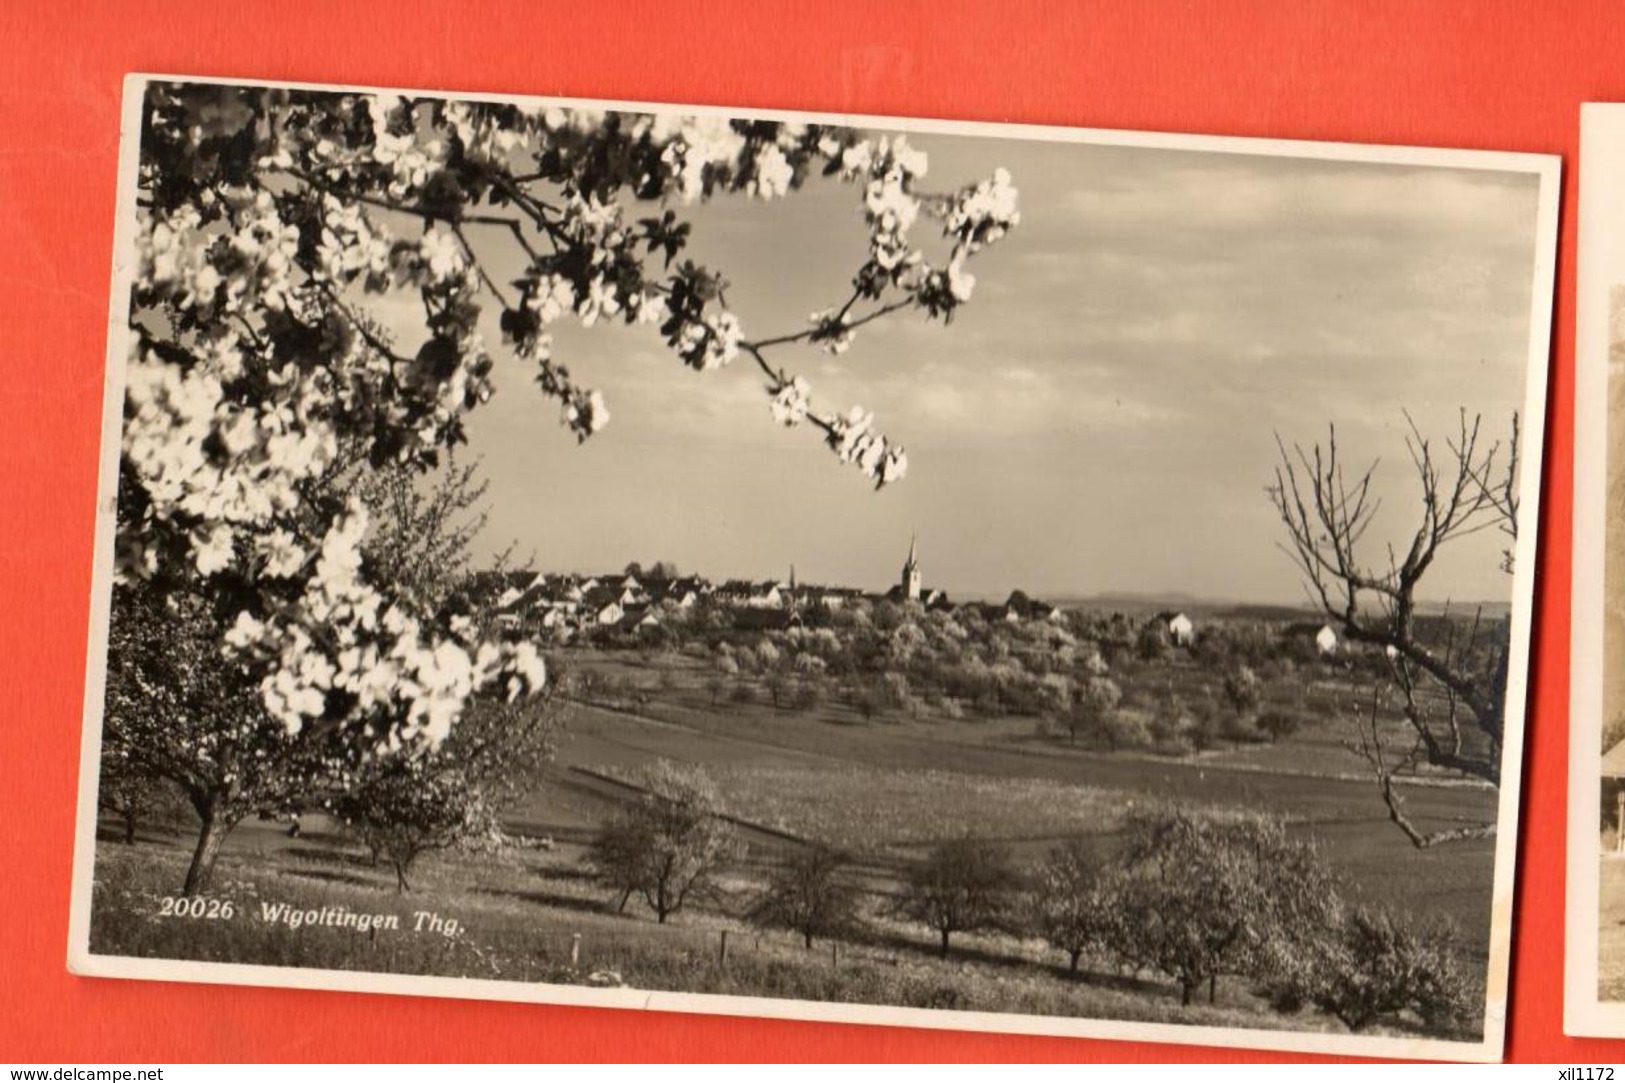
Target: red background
x,y
1492,74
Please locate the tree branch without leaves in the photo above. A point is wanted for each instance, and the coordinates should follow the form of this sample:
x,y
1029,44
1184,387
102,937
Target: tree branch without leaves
x,y
1446,671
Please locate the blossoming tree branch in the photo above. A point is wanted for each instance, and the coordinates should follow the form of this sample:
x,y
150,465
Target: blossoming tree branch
x,y
271,225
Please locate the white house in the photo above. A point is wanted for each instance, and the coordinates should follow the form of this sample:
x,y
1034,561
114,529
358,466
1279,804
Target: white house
x,y
770,598
610,614
1181,631
1326,641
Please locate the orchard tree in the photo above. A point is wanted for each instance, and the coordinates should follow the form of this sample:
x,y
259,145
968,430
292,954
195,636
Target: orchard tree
x,y
1374,964
1068,909
1452,682
962,885
1242,690
778,688
128,789
418,800
276,226
1276,724
1097,700
421,538
1055,696
811,893
670,845
1153,644
181,710
406,806
1196,896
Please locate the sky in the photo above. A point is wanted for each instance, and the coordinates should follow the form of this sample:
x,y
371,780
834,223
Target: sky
x,y
1100,418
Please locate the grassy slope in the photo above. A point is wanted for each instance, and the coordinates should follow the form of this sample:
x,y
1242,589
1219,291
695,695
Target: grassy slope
x,y
520,915
890,784
781,767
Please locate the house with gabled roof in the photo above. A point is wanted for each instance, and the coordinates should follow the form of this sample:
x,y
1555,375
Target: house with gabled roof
x,y
1180,628
767,594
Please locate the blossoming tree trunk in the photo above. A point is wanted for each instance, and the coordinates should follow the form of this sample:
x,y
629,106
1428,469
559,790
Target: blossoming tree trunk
x,y
216,826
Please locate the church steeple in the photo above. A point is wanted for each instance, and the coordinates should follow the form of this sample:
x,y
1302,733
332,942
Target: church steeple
x,y
911,570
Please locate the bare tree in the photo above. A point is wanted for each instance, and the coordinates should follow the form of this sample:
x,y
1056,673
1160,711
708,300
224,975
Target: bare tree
x,y
1386,763
1450,673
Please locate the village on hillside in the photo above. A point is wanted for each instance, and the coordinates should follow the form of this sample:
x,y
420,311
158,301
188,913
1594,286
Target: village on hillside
x,y
559,607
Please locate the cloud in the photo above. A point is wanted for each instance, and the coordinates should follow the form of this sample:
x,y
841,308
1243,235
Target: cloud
x,y
1119,377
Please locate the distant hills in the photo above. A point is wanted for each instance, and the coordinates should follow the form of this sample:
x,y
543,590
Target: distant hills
x,y
1145,603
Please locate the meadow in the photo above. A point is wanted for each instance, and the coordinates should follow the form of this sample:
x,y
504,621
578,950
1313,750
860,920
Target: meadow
x,y
830,776
521,917
883,788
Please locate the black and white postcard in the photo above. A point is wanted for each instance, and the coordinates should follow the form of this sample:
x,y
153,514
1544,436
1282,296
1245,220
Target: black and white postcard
x,y
846,568
1594,997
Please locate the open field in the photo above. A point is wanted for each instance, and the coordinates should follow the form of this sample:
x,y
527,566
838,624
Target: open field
x,y
883,788
778,765
671,687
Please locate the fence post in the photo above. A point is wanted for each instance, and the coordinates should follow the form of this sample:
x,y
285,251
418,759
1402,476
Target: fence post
x,y
834,953
575,949
722,950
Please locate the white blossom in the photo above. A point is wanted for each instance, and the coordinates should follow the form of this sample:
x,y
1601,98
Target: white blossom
x,y
282,553
773,173
790,403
